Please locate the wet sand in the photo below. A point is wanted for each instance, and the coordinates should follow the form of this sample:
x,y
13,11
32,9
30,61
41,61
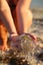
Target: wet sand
x,y
37,30
37,26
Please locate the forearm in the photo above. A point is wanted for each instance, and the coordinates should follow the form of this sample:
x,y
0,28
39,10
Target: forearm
x,y
7,17
23,10
24,15
24,4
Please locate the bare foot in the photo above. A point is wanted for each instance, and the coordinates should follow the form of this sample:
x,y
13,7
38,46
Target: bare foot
x,y
4,47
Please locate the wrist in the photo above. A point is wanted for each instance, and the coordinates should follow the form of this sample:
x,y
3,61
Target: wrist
x,y
13,34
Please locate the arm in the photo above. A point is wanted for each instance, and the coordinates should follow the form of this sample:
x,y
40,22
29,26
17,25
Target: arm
x,y
6,17
24,15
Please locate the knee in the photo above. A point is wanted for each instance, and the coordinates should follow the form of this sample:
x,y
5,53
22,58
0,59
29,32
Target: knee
x,y
30,18
30,15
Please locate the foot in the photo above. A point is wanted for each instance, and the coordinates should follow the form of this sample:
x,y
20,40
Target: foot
x,y
4,47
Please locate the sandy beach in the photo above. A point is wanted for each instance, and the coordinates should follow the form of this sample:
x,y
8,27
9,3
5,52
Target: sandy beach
x,y
36,28
37,25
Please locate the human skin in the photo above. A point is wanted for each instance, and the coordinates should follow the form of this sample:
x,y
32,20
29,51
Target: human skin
x,y
23,14
3,36
23,17
6,18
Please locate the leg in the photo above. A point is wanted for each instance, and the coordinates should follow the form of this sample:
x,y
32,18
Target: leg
x,y
24,16
7,19
3,36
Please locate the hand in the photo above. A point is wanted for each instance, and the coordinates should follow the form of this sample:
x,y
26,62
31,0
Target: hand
x,y
14,41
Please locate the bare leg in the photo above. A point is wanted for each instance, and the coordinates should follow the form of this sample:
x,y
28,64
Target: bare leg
x,y
5,15
3,35
24,16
